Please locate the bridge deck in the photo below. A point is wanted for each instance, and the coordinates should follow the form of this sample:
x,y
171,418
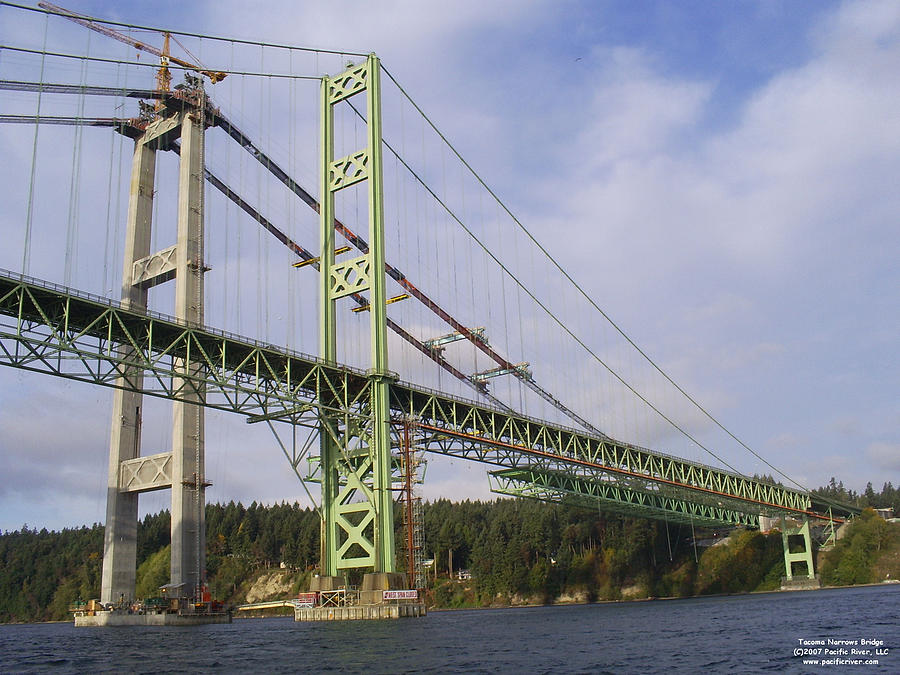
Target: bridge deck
x,y
52,329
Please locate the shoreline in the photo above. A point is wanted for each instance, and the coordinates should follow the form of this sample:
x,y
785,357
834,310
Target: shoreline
x,y
553,604
656,598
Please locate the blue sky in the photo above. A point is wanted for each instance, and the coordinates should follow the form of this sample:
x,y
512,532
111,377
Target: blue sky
x,y
720,177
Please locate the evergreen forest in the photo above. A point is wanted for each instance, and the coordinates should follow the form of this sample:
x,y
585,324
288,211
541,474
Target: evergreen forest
x,y
516,551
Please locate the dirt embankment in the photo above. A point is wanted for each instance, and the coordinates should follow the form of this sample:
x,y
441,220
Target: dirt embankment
x,y
271,586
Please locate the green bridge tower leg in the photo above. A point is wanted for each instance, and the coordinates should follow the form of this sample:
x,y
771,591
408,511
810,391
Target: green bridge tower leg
x,y
355,444
803,556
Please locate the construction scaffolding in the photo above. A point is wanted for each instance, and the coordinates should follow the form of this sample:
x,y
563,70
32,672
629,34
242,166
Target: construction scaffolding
x,y
412,470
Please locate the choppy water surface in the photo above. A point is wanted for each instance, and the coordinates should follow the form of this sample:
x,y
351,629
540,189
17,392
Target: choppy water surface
x,y
743,634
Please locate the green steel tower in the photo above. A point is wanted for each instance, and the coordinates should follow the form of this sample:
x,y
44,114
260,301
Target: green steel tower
x,y
357,504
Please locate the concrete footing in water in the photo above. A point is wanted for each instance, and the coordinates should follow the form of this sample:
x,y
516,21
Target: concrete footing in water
x,y
801,584
359,612
383,595
119,618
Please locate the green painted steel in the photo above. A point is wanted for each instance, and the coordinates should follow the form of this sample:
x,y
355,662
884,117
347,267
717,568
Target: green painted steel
x,y
328,443
803,556
358,515
471,431
439,342
621,496
518,368
50,329
380,376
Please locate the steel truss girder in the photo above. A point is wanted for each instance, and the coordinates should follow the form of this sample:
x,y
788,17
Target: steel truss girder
x,y
612,494
50,329
470,431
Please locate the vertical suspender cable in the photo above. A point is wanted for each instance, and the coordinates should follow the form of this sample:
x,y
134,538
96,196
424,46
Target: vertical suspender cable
x,y
259,240
199,270
694,539
107,280
29,214
668,540
289,204
75,182
240,246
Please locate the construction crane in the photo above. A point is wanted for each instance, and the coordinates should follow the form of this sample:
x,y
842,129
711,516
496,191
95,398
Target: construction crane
x,y
163,76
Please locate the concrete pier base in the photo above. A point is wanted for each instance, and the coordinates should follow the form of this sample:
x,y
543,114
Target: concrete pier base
x,y
801,584
359,612
384,595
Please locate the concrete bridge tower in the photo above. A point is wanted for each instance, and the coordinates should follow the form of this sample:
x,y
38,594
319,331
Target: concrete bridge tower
x,y
182,469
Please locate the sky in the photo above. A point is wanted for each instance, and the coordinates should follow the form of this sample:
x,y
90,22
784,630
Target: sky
x,y
719,177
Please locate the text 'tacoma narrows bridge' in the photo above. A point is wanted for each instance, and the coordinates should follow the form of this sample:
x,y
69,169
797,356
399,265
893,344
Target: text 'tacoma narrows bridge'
x,y
368,422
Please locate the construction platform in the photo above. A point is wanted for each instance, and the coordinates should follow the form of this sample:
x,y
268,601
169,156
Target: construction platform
x,y
382,596
124,618
160,611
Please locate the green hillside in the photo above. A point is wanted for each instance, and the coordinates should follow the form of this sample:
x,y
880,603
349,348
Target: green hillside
x,y
516,551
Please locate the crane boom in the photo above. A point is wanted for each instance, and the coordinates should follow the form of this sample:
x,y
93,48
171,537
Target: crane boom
x,y
163,54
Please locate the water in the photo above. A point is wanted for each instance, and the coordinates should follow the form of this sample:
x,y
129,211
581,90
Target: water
x,y
740,634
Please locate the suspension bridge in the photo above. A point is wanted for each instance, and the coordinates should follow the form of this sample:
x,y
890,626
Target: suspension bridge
x,y
441,325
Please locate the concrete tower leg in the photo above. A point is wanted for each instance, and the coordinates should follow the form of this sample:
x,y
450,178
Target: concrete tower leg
x,y
120,543
188,563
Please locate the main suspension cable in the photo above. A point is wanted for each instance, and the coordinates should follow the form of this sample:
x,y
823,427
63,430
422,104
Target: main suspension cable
x,y
587,297
202,36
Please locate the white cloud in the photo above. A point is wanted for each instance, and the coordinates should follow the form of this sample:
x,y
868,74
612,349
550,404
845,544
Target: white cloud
x,y
632,112
885,456
763,218
399,28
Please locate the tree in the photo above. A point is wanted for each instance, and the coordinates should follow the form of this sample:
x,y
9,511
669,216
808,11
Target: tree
x,y
869,494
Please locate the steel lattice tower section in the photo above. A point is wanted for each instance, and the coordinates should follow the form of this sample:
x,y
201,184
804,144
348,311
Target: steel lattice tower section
x,y
357,503
182,469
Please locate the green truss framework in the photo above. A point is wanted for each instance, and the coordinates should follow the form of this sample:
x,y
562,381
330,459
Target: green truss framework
x,y
50,329
615,496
